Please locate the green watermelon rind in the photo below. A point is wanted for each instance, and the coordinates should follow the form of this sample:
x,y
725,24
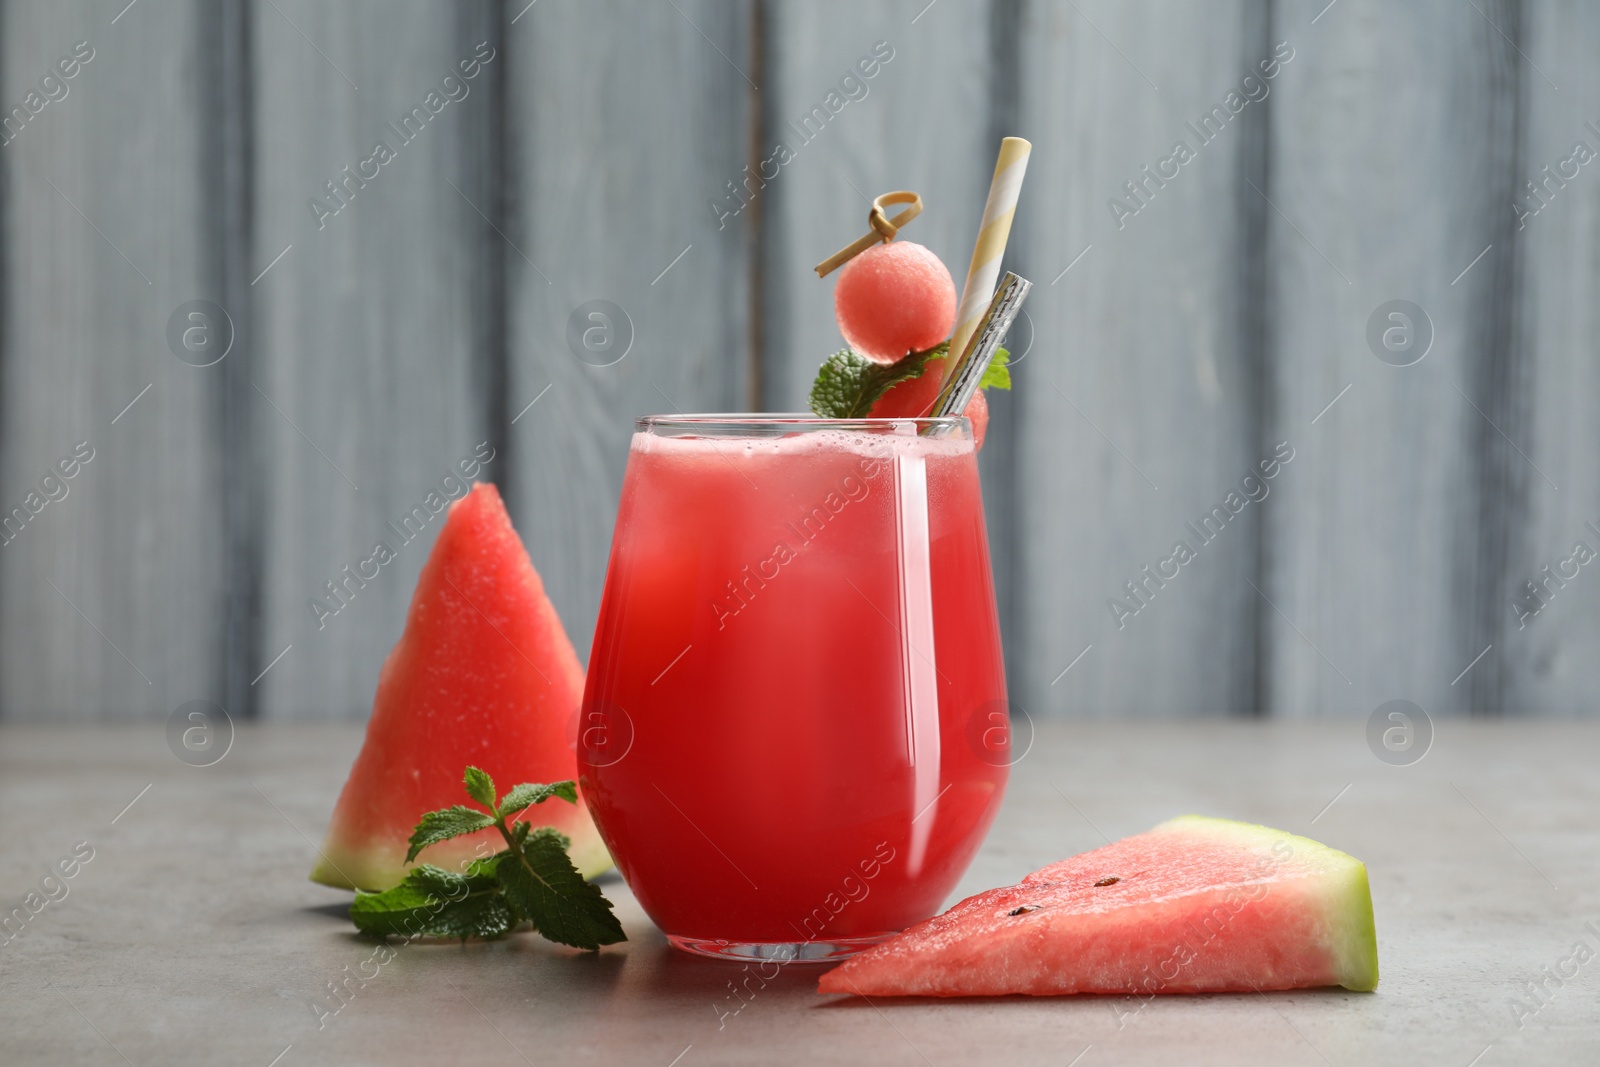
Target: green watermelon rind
x,y
1350,904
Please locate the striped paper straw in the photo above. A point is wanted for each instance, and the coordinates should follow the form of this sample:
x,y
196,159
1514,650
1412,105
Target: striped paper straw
x,y
991,247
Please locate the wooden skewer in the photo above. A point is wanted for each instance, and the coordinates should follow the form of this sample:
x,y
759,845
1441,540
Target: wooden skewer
x,y
883,228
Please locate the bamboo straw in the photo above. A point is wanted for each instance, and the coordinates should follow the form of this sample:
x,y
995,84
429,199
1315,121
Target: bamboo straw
x,y
992,235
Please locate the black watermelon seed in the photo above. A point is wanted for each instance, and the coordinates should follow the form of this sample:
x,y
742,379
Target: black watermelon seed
x,y
1113,880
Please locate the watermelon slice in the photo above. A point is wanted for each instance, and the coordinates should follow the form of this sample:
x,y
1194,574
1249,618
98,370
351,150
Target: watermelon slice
x,y
1196,905
483,675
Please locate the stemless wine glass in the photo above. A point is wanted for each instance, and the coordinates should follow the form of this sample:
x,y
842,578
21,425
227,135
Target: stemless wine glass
x,y
793,737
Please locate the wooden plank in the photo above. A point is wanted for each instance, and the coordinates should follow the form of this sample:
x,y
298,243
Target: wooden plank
x,y
227,203
1379,537
368,364
114,593
1545,652
612,203
1137,403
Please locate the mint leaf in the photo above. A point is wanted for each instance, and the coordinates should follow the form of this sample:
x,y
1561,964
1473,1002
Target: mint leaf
x,y
528,793
439,826
848,384
997,375
480,787
543,886
434,902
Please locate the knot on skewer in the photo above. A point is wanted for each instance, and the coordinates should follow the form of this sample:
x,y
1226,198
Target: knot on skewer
x,y
884,229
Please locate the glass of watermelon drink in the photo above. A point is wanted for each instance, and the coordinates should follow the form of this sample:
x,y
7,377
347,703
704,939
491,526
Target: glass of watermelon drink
x,y
793,736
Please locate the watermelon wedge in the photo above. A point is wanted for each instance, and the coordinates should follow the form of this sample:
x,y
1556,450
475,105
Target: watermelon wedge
x,y
483,675
1196,905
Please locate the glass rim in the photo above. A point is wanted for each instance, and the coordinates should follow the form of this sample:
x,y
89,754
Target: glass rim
x,y
768,423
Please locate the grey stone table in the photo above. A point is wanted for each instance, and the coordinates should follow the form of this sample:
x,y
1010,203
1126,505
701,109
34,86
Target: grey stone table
x,y
193,937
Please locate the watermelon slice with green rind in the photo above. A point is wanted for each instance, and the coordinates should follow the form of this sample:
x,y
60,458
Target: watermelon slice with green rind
x,y
1196,905
483,675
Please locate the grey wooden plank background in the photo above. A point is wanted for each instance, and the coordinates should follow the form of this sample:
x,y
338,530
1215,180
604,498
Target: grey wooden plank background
x,y
1117,451
115,593
367,379
1380,539
625,120
1555,379
1172,342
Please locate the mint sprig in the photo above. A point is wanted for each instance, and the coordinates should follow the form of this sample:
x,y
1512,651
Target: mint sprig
x,y
532,880
848,383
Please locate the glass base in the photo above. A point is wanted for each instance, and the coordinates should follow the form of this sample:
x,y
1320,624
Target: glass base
x,y
840,948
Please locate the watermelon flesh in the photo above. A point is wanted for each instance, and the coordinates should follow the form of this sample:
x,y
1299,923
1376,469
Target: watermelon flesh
x,y
484,675
914,397
1197,905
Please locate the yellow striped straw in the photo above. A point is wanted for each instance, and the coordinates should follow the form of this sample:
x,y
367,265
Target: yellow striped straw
x,y
992,235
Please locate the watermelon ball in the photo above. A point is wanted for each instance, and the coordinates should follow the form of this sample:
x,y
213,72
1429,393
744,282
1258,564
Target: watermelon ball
x,y
894,298
914,397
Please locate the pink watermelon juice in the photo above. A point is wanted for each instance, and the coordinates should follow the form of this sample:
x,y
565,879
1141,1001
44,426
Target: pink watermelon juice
x,y
793,736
